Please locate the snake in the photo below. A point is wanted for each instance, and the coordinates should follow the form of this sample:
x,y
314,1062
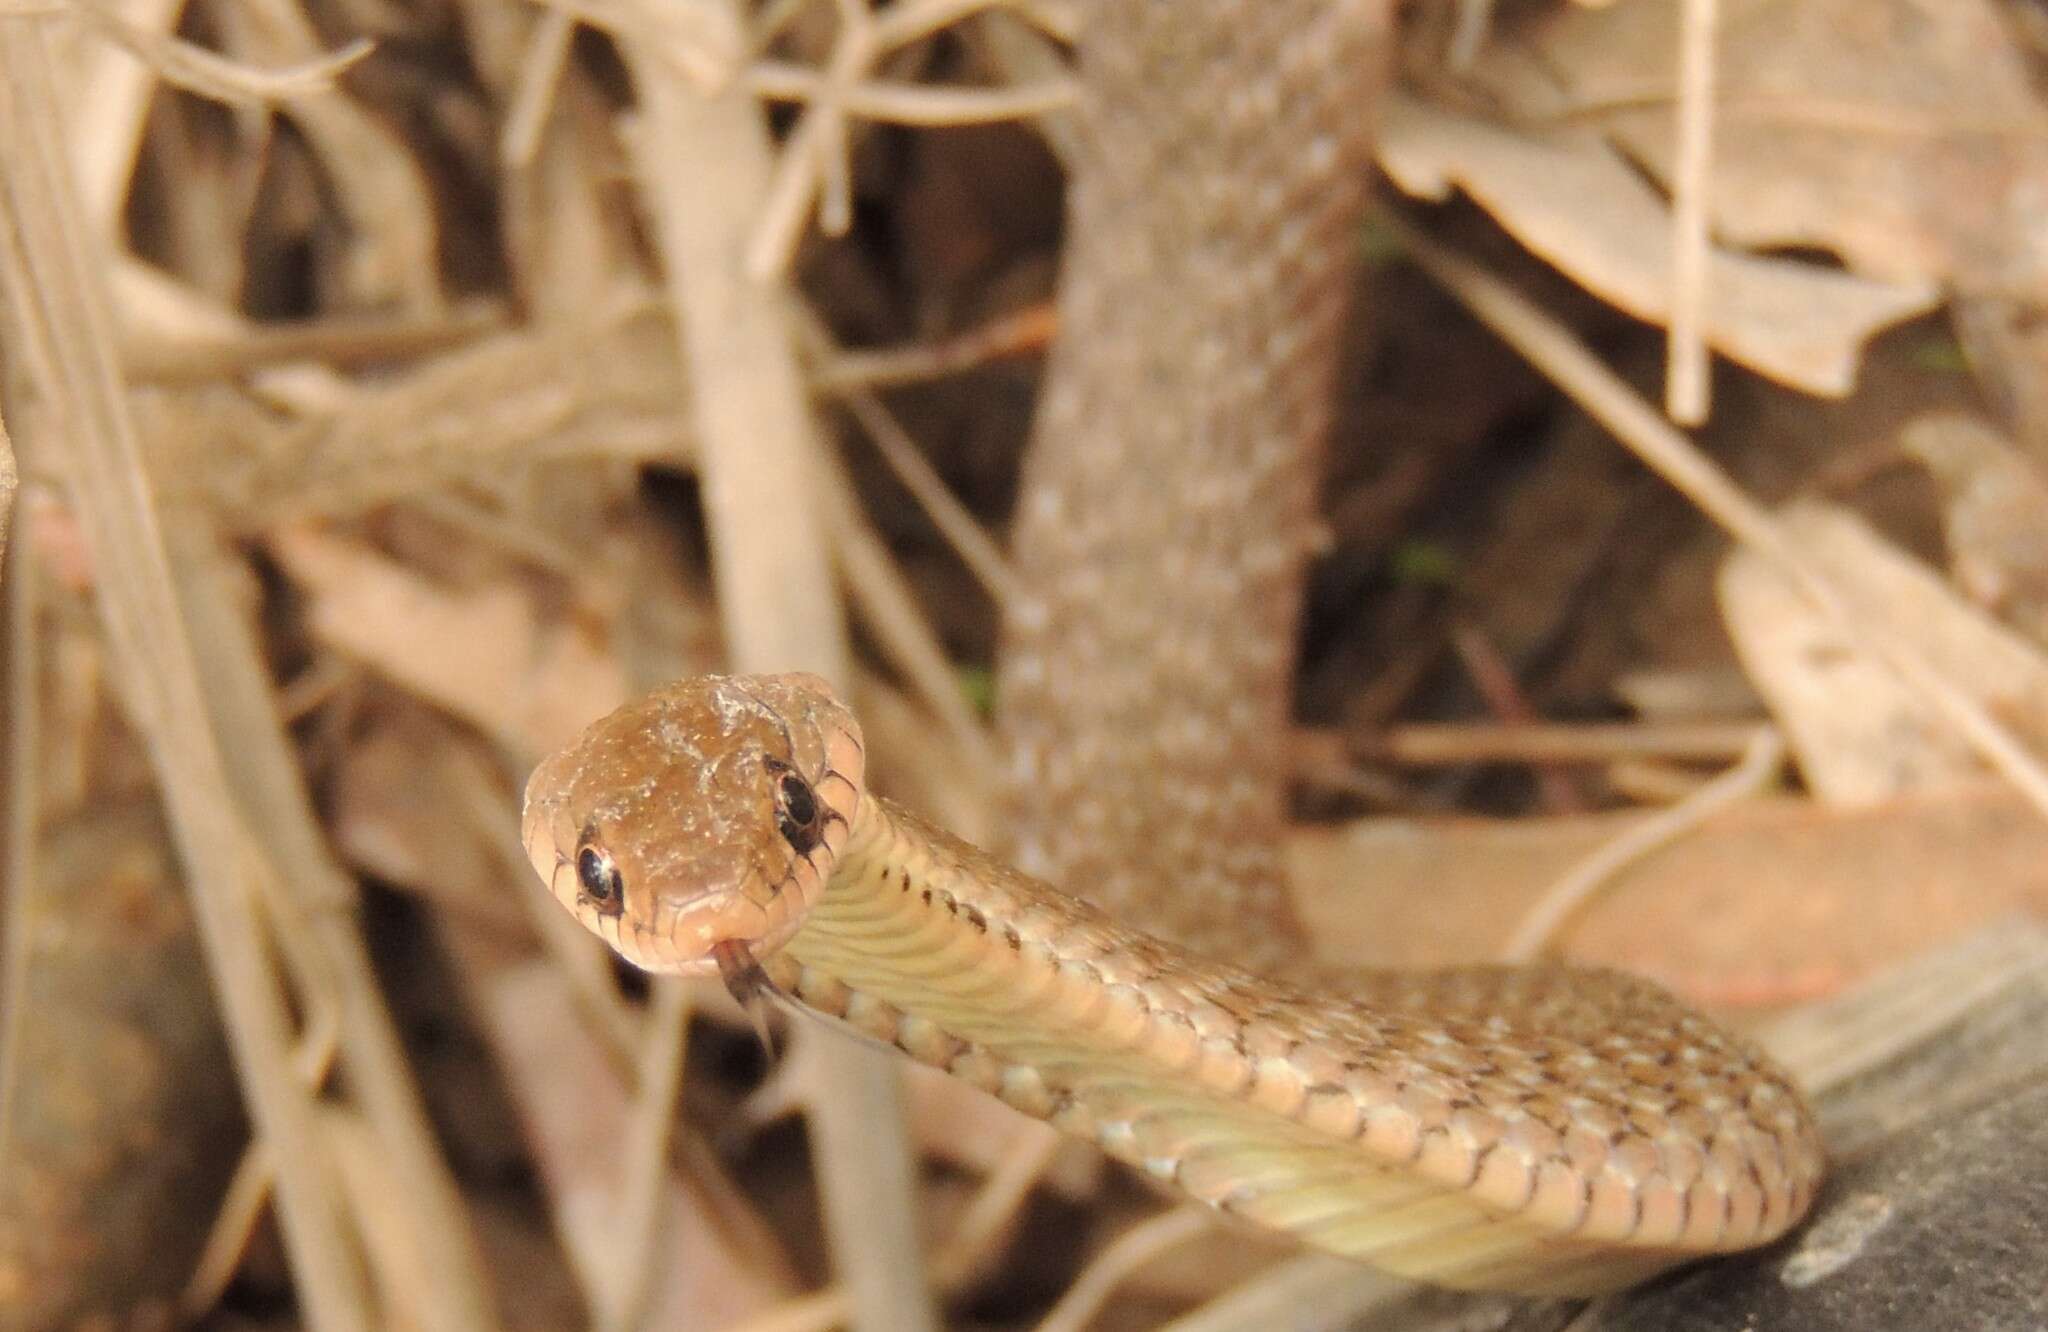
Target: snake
x,y
1131,968
1537,1129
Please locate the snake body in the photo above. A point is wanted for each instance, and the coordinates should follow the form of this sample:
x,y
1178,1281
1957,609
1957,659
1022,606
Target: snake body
x,y
1532,1129
1166,510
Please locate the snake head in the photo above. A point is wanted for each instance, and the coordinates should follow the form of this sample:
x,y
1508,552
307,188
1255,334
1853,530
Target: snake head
x,y
693,828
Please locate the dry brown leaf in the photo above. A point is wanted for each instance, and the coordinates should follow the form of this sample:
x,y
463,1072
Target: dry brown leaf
x,y
394,812
483,652
1996,512
1861,735
1567,195
1774,901
1907,136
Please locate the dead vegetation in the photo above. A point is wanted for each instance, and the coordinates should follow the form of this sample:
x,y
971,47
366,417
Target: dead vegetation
x,y
396,388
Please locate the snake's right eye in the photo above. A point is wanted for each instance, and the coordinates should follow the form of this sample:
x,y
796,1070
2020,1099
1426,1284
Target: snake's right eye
x,y
797,814
600,881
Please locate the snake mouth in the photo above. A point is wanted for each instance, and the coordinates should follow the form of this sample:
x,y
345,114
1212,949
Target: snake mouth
x,y
689,937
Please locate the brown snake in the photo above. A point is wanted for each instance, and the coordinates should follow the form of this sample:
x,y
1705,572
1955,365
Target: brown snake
x,y
1534,1129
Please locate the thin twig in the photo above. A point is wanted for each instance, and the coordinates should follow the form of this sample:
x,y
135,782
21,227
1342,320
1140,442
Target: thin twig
x,y
989,1213
985,1220
890,607
1686,381
1028,332
915,104
1490,674
975,547
241,1207
969,540
1119,1259
19,859
1539,926
852,56
1474,21
815,162
533,96
1441,744
197,70
344,341
643,1163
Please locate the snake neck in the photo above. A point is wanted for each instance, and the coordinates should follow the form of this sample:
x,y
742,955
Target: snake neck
x,y
1494,1128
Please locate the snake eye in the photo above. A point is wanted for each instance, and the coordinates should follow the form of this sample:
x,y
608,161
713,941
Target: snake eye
x,y
796,813
600,881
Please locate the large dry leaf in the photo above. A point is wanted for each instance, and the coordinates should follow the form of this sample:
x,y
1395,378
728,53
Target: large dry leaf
x,y
1995,503
1572,199
483,652
1906,136
1861,735
1773,901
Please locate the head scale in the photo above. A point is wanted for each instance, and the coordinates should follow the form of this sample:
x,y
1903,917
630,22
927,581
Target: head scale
x,y
699,824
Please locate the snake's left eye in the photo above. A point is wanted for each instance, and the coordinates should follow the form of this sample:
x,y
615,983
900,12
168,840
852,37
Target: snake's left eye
x,y
796,813
600,881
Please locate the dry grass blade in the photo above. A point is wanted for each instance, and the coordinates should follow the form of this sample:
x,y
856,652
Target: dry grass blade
x,y
19,787
200,71
311,906
10,486
59,317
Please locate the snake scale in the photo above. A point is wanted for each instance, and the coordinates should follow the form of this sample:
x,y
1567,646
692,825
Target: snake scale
x,y
1534,1129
